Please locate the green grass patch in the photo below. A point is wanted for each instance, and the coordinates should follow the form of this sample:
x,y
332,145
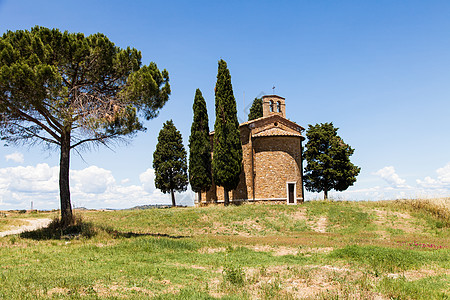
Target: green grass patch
x,y
235,252
342,216
436,287
394,231
381,259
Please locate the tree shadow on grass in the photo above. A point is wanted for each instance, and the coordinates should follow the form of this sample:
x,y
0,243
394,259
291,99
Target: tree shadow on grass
x,y
81,229
130,234
56,230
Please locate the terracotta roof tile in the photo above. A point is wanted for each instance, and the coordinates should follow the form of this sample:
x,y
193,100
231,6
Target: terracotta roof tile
x,y
276,132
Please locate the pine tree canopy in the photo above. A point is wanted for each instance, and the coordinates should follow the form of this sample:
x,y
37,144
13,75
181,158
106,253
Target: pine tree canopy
x,y
169,160
53,82
328,160
227,151
200,147
68,90
256,110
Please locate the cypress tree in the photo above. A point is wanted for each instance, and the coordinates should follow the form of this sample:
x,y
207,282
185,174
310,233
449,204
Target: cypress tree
x,y
200,148
227,151
169,161
256,110
328,160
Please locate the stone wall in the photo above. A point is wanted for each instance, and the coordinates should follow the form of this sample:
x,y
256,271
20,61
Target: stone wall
x,y
277,161
272,158
274,161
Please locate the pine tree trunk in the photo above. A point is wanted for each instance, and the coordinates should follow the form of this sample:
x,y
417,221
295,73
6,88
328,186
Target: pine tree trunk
x,y
173,198
226,197
325,195
199,197
64,189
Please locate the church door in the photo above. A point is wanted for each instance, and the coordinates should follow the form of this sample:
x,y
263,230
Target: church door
x,y
291,193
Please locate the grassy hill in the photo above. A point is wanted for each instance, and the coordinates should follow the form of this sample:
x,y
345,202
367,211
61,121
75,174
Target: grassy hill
x,y
318,250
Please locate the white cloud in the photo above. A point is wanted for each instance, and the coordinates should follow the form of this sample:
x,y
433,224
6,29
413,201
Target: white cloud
x,y
444,175
39,179
15,157
366,194
92,180
92,187
21,185
147,179
441,183
391,177
428,182
428,187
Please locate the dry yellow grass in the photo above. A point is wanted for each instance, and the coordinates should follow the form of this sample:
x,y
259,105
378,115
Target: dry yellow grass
x,y
438,207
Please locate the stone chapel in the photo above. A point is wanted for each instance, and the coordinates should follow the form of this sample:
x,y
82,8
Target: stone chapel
x,y
272,159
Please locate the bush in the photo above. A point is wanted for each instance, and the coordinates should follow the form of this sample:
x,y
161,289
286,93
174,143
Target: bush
x,y
234,275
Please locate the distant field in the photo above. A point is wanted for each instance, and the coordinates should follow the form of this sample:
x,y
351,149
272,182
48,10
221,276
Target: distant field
x,y
318,250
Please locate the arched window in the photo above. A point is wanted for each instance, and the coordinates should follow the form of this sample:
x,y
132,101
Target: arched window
x,y
271,106
278,106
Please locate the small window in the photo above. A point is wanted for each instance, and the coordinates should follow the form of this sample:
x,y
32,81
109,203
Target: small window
x,y
271,106
278,106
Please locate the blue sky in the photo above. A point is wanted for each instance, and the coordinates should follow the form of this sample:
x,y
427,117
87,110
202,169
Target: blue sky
x,y
379,70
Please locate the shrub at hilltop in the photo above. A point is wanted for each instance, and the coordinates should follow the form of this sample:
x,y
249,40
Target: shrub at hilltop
x,y
169,161
328,160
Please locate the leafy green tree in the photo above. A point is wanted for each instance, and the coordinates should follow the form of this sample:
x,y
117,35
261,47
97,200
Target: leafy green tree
x,y
70,91
169,161
227,147
200,148
328,160
256,110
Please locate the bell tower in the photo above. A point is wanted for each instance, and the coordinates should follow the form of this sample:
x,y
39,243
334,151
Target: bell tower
x,y
274,105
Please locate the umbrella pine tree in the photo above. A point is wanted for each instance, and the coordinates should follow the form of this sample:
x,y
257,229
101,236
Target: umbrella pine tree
x,y
67,90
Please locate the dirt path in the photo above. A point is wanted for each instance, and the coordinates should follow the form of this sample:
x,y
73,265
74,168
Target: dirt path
x,y
33,225
320,225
